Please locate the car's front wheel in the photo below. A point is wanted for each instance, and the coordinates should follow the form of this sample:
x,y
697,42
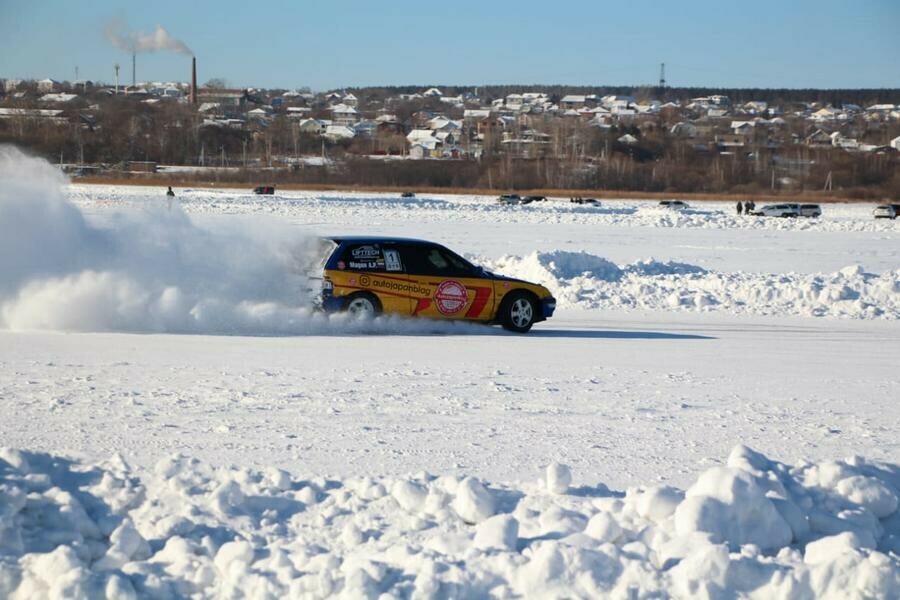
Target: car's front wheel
x,y
518,312
363,306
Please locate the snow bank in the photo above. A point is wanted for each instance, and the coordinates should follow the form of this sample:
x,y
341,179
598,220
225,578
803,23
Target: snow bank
x,y
581,280
754,527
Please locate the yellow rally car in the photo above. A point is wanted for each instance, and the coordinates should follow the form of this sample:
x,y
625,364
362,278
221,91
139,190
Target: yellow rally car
x,y
371,275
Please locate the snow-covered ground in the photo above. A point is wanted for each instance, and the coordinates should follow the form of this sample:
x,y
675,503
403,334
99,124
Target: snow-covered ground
x,y
178,421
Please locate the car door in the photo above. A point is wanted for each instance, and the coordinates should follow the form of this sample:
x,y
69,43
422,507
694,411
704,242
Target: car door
x,y
446,285
377,268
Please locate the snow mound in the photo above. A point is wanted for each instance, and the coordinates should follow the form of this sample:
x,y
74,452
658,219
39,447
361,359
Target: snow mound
x,y
580,280
754,527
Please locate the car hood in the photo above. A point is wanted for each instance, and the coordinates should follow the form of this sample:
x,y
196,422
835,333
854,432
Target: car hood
x,y
515,280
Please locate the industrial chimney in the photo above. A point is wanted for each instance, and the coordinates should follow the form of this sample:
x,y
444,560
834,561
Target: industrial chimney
x,y
194,81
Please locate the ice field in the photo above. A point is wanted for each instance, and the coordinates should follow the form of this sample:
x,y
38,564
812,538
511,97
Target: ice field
x,y
712,412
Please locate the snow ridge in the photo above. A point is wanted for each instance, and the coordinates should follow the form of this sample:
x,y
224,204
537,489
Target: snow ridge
x,y
586,281
187,529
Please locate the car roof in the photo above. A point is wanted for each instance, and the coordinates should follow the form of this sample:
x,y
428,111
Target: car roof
x,y
373,239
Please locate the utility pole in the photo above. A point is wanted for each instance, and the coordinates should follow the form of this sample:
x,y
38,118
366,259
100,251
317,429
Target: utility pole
x,y
116,67
662,76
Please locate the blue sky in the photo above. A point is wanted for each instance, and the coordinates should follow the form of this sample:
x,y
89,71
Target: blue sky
x,y
323,45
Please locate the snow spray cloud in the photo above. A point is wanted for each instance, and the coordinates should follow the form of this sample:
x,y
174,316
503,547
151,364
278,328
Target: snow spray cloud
x,y
153,270
138,42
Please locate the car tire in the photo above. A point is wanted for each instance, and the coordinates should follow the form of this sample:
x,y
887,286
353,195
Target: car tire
x,y
363,305
518,312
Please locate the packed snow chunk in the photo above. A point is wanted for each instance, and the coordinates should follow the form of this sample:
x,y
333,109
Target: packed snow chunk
x,y
604,528
473,502
729,505
499,531
126,545
14,458
651,267
410,496
658,502
559,478
829,548
234,557
870,493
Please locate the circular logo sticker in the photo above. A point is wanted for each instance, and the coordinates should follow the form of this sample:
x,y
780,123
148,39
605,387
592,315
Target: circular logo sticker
x,y
450,297
363,281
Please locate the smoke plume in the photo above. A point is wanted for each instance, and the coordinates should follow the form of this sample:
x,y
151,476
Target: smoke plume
x,y
138,42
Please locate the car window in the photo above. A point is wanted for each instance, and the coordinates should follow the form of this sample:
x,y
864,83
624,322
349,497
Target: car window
x,y
368,257
433,260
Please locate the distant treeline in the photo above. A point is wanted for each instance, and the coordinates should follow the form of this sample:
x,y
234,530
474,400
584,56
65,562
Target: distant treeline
x,y
861,97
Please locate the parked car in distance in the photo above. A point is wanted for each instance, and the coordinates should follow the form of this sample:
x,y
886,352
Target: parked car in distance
x,y
778,210
264,189
810,210
407,195
510,199
528,199
887,211
580,200
367,276
673,204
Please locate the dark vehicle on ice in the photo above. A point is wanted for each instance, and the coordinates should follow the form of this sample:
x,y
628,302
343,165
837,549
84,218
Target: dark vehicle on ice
x,y
368,276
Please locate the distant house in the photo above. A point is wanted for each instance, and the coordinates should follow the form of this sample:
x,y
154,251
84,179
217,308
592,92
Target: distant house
x,y
825,114
572,102
47,85
627,139
818,138
258,113
344,115
350,100
365,128
476,114
419,135
58,98
313,126
34,114
297,112
895,143
425,148
432,93
742,127
684,130
234,100
339,132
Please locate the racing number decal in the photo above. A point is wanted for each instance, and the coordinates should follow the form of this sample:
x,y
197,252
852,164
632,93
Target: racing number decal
x,y
450,297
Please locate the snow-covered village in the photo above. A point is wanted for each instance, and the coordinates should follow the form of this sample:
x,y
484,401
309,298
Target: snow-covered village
x,y
281,322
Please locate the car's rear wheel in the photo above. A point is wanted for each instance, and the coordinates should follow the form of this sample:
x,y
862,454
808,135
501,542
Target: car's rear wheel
x,y
363,306
518,312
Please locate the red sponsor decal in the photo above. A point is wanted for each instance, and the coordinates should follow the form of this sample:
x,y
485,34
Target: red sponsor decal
x,y
482,295
450,297
421,304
